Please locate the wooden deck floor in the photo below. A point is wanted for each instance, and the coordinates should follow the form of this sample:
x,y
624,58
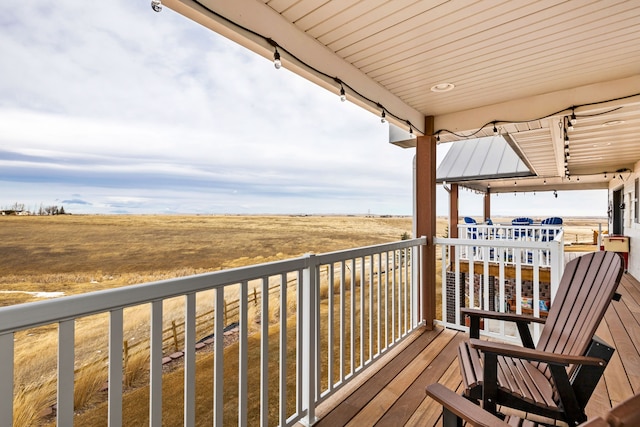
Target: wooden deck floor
x,y
393,394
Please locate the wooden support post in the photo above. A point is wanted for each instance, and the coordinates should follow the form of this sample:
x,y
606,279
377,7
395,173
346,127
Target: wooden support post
x,y
426,218
487,204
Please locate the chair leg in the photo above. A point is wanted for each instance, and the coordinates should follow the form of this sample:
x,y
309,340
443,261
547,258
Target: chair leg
x,y
490,382
449,419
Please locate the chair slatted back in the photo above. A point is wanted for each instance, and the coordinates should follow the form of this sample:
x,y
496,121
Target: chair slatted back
x,y
588,284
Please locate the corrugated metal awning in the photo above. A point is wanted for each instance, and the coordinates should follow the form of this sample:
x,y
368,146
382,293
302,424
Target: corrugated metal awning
x,y
481,158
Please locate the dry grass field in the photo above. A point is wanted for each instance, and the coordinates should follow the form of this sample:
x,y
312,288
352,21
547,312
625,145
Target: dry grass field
x,y
77,254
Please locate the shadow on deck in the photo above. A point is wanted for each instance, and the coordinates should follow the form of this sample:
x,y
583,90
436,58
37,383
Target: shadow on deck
x,y
393,393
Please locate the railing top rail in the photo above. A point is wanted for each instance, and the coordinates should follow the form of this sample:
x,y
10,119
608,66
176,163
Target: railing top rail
x,y
497,243
533,226
330,257
29,315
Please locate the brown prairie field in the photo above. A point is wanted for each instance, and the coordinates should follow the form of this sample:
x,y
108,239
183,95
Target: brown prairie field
x,y
77,254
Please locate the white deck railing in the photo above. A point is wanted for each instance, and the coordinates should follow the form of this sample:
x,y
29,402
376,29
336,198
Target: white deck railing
x,y
493,258
520,235
347,308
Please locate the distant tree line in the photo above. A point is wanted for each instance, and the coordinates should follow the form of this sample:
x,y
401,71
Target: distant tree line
x,y
20,209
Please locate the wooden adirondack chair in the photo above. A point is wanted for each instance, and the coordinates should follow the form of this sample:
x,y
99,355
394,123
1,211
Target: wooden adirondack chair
x,y
556,377
456,409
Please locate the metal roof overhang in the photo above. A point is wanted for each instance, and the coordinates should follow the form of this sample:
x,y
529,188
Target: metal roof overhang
x,y
525,72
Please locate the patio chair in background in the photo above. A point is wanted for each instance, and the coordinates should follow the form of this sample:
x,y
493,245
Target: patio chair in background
x,y
556,377
521,232
456,409
548,234
472,232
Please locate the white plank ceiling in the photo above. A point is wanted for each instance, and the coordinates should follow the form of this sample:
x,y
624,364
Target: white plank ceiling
x,y
522,64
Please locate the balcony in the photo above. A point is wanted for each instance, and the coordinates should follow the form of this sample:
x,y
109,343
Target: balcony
x,y
339,340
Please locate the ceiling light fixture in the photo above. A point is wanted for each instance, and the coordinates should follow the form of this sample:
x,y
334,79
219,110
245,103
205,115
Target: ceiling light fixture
x,y
343,95
442,87
495,129
276,59
383,117
573,120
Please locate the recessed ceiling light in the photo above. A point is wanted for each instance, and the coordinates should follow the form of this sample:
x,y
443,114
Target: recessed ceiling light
x,y
442,87
613,123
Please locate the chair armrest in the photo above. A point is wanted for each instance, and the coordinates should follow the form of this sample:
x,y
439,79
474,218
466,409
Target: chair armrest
x,y
473,414
533,355
521,320
511,317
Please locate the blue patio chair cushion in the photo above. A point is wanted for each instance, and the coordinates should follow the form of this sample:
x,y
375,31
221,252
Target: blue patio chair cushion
x,y
522,221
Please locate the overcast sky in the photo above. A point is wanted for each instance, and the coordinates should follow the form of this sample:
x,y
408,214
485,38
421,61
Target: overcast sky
x,y
109,107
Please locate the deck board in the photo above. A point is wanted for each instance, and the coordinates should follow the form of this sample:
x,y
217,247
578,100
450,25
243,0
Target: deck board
x,y
394,395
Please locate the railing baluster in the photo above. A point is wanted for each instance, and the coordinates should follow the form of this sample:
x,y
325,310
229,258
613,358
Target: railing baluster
x,y
66,357
190,360
6,379
457,286
392,263
362,312
371,289
379,301
309,342
283,349
243,362
299,346
115,368
155,362
330,326
218,356
352,320
264,354
386,300
342,320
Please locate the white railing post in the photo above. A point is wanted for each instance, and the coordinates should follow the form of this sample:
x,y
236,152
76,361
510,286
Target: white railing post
x,y
557,263
309,340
